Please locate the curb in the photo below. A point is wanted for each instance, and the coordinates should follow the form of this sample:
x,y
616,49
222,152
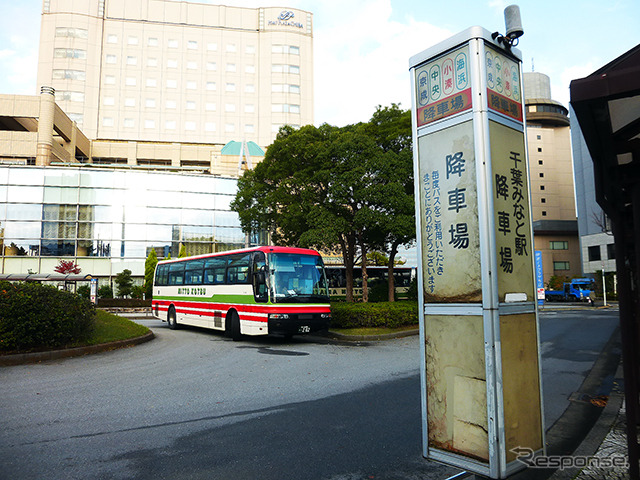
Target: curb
x,y
35,357
371,338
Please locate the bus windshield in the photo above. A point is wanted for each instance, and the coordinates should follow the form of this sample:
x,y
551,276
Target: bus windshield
x,y
297,278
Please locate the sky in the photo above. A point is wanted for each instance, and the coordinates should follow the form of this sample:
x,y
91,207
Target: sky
x,y
362,47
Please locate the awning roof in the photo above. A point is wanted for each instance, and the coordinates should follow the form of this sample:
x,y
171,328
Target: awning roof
x,y
44,277
607,106
233,148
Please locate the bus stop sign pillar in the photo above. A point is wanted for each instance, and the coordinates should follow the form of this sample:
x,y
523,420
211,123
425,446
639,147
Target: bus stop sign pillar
x,y
481,384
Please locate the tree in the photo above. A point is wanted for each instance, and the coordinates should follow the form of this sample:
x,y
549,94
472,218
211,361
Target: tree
x,y
183,251
67,267
391,129
326,186
124,283
149,270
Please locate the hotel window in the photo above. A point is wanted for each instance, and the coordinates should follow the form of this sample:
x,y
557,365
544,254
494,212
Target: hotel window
x,y
212,66
285,108
541,175
69,74
539,149
611,251
210,107
191,85
172,84
152,42
290,49
107,122
231,67
230,127
249,88
211,86
192,65
150,103
112,38
110,59
229,107
149,124
152,82
130,81
173,43
132,41
72,32
558,245
561,266
109,80
280,68
172,64
249,69
70,53
128,122
192,45
132,60
249,108
594,253
250,49
171,104
62,95
109,101
190,126
230,87
210,127
152,62
129,102
212,47
170,125
231,47
191,105
248,128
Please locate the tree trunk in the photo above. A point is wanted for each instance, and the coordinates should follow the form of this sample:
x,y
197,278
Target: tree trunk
x,y
348,244
392,283
365,278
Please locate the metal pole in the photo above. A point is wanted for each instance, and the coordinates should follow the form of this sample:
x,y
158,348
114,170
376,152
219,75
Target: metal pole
x,y
604,286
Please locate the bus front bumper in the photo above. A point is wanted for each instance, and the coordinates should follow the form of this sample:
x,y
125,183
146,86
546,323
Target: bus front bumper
x,y
298,324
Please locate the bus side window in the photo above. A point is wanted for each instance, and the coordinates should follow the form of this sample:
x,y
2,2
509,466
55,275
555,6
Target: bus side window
x,y
193,272
176,274
214,270
238,269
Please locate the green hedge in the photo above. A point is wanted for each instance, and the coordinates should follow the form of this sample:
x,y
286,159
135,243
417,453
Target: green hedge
x,y
381,314
35,316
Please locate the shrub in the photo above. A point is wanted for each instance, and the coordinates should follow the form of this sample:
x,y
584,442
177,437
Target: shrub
x,y
379,291
382,314
105,291
84,291
35,316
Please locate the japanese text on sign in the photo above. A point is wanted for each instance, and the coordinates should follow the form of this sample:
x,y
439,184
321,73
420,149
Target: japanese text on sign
x,y
503,85
443,87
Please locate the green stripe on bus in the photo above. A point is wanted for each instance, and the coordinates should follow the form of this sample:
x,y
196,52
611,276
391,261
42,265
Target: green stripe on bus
x,y
244,299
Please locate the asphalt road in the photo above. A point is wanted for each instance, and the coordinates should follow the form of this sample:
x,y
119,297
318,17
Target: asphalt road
x,y
192,404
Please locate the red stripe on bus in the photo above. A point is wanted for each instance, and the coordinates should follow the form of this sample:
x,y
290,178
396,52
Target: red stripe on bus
x,y
245,308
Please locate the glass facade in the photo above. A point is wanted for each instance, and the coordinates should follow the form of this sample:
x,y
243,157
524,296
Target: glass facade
x,y
114,214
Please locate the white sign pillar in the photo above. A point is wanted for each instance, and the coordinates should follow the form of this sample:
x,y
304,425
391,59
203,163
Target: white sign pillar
x,y
481,385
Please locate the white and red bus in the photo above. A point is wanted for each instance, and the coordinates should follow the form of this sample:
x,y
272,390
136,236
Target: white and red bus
x,y
254,291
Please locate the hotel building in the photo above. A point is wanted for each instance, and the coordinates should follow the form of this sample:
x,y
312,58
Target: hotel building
x,y
148,111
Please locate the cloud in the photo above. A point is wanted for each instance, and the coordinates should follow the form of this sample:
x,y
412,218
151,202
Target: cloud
x,y
364,63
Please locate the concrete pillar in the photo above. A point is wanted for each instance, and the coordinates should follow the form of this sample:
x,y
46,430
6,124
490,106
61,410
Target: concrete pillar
x,y
45,126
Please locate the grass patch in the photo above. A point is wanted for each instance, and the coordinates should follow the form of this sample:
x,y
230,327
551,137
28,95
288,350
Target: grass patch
x,y
372,330
112,328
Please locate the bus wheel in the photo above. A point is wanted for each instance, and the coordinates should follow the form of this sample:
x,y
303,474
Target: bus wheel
x,y
171,319
233,326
